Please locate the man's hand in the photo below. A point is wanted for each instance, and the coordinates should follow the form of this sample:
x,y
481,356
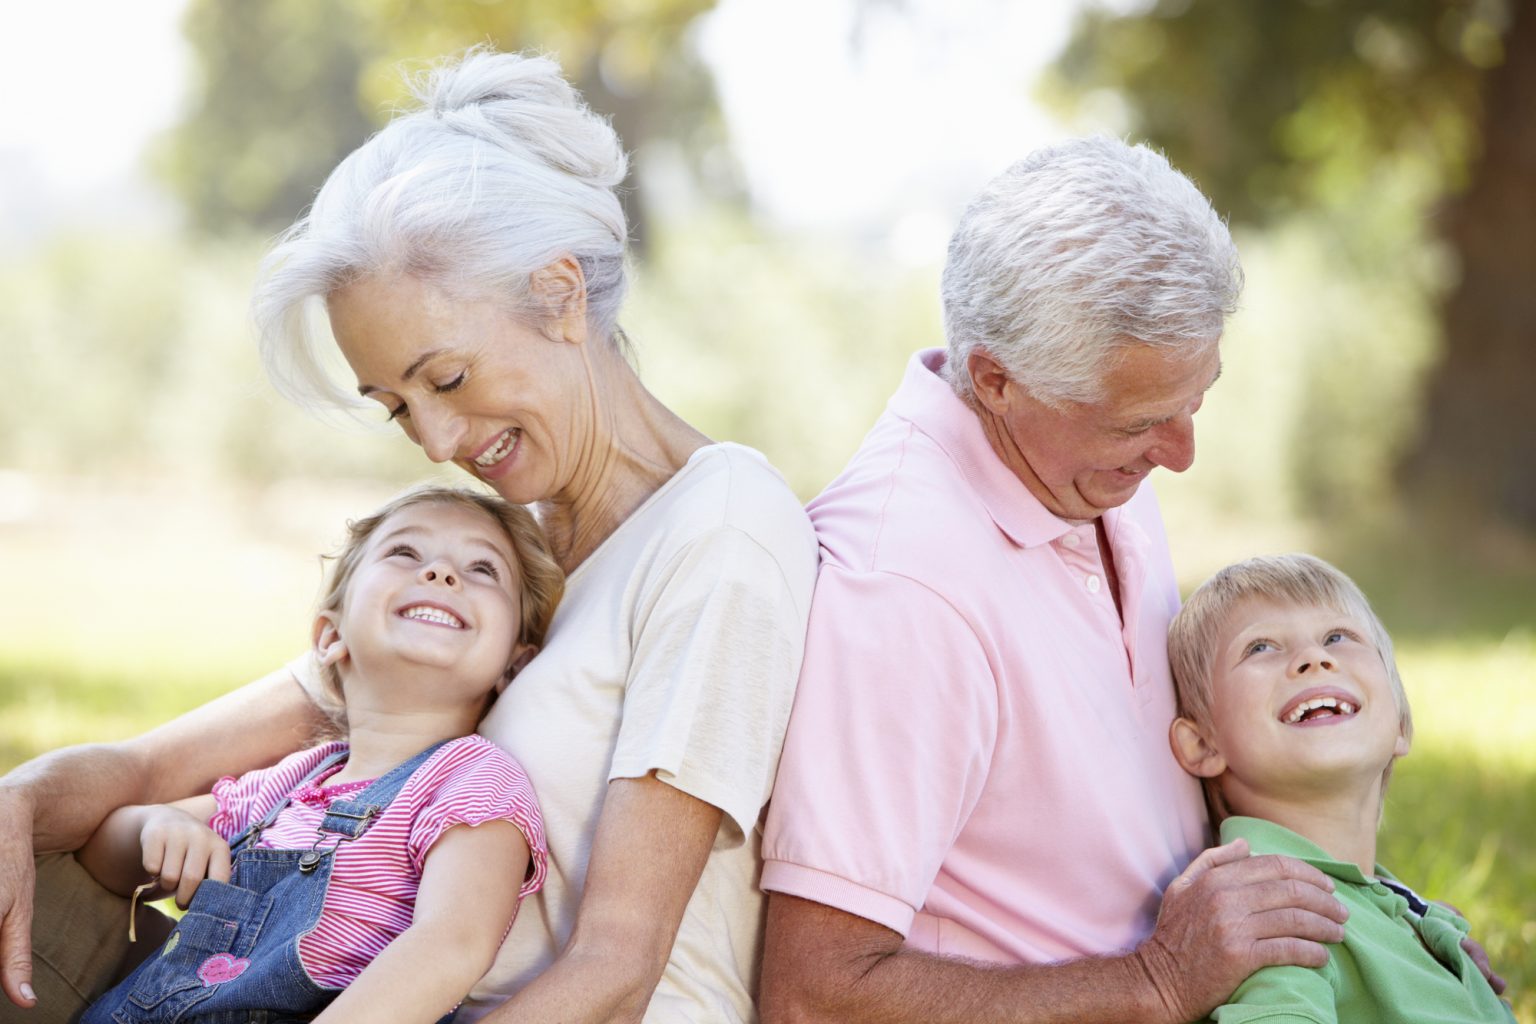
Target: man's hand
x,y
17,877
1228,915
180,851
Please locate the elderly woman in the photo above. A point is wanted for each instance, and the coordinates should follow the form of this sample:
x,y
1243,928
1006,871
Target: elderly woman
x,y
471,259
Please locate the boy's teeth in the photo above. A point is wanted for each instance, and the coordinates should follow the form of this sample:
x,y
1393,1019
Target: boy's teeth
x,y
428,614
498,451
1342,707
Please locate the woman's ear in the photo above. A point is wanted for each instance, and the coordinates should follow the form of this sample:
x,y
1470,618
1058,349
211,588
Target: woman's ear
x,y
330,649
1196,754
522,654
560,290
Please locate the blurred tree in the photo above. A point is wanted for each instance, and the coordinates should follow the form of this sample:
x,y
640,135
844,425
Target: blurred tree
x,y
289,87
1310,105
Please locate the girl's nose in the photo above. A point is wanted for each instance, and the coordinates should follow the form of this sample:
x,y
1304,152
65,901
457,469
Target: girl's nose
x,y
439,572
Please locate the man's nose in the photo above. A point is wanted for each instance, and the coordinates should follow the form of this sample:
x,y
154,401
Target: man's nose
x,y
1175,446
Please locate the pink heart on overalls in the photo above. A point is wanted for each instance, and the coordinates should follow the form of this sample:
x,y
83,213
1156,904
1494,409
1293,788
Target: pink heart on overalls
x,y
221,967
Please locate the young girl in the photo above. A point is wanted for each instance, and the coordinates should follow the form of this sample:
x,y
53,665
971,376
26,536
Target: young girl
x,y
371,879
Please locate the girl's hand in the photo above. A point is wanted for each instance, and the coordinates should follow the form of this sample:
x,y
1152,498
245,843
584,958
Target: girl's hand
x,y
180,851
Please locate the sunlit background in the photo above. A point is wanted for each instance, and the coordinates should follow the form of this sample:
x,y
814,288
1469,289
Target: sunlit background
x,y
799,166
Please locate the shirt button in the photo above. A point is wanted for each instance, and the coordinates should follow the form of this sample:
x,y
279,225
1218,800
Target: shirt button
x,y
1071,540
1093,584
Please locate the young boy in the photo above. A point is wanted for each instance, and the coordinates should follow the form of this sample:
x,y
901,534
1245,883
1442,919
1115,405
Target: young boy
x,y
1292,713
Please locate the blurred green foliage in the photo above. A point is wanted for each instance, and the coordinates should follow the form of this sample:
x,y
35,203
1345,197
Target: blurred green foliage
x,y
1392,131
286,89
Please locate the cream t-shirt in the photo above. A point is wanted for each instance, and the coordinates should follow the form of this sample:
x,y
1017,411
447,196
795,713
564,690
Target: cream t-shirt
x,y
675,650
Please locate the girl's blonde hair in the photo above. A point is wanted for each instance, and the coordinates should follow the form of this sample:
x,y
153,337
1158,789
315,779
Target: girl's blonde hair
x,y
541,580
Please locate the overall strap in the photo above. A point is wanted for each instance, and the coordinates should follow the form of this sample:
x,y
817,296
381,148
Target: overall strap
x,y
254,830
352,817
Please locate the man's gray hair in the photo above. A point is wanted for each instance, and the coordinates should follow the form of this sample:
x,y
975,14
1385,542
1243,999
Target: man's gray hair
x,y
1075,251
501,171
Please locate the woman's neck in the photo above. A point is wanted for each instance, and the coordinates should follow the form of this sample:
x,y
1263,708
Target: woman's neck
x,y
634,445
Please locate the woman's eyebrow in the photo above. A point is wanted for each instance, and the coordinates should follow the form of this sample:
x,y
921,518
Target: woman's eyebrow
x,y
410,371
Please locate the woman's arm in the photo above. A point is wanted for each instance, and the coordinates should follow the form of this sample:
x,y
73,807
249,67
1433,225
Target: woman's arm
x,y
651,845
468,893
169,843
54,802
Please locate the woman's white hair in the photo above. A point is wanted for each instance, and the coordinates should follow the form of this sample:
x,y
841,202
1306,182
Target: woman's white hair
x,y
501,171
1076,251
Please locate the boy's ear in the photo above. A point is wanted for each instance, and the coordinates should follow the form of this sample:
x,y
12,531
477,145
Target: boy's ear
x,y
1403,745
1195,754
522,654
330,649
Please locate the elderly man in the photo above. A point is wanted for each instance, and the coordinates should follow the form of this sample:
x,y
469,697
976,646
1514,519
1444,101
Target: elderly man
x,y
977,815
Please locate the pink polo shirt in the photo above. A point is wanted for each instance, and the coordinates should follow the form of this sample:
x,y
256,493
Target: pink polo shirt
x,y
978,753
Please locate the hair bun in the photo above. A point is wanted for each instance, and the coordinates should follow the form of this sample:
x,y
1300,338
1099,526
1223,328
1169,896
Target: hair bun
x,y
515,101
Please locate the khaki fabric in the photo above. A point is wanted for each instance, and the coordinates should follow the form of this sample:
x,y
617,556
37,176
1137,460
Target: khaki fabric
x,y
79,942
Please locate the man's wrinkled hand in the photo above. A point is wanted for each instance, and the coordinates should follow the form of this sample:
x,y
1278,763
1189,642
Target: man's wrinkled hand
x,y
1230,914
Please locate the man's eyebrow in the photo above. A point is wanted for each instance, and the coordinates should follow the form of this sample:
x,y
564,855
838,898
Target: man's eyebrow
x,y
410,371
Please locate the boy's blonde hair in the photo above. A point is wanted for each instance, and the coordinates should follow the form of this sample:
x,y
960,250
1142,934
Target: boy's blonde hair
x,y
541,579
1295,579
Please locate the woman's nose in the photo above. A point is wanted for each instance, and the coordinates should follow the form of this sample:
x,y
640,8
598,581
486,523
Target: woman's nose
x,y
439,432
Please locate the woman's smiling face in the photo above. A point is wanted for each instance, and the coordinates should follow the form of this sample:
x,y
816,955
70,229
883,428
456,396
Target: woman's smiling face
x,y
466,380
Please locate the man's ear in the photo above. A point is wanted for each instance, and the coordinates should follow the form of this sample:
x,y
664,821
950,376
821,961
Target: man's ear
x,y
1194,752
560,291
990,381
522,654
329,647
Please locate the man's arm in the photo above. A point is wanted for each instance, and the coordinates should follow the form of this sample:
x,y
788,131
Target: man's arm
x,y
54,802
1221,920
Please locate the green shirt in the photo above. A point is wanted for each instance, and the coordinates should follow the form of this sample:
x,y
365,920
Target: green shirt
x,y
1393,967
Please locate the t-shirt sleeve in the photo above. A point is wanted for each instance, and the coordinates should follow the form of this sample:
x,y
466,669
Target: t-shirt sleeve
x,y
716,651
893,730
1283,995
242,801
472,781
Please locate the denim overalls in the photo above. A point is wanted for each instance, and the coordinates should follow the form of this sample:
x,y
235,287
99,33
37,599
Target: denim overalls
x,y
234,958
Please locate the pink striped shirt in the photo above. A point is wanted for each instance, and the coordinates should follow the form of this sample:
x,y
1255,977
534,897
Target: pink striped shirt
x,y
372,894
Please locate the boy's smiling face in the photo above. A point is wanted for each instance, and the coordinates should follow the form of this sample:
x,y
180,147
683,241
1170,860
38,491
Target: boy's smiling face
x,y
1301,703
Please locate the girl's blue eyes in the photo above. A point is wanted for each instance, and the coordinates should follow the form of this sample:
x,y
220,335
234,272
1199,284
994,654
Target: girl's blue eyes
x,y
482,567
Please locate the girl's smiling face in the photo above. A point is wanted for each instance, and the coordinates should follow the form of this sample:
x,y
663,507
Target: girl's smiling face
x,y
436,593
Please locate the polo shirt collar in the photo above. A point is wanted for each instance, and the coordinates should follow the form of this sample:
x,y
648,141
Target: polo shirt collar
x,y
927,401
1273,838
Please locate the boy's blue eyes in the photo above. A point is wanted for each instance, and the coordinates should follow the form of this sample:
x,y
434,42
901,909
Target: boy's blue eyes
x,y
1335,636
